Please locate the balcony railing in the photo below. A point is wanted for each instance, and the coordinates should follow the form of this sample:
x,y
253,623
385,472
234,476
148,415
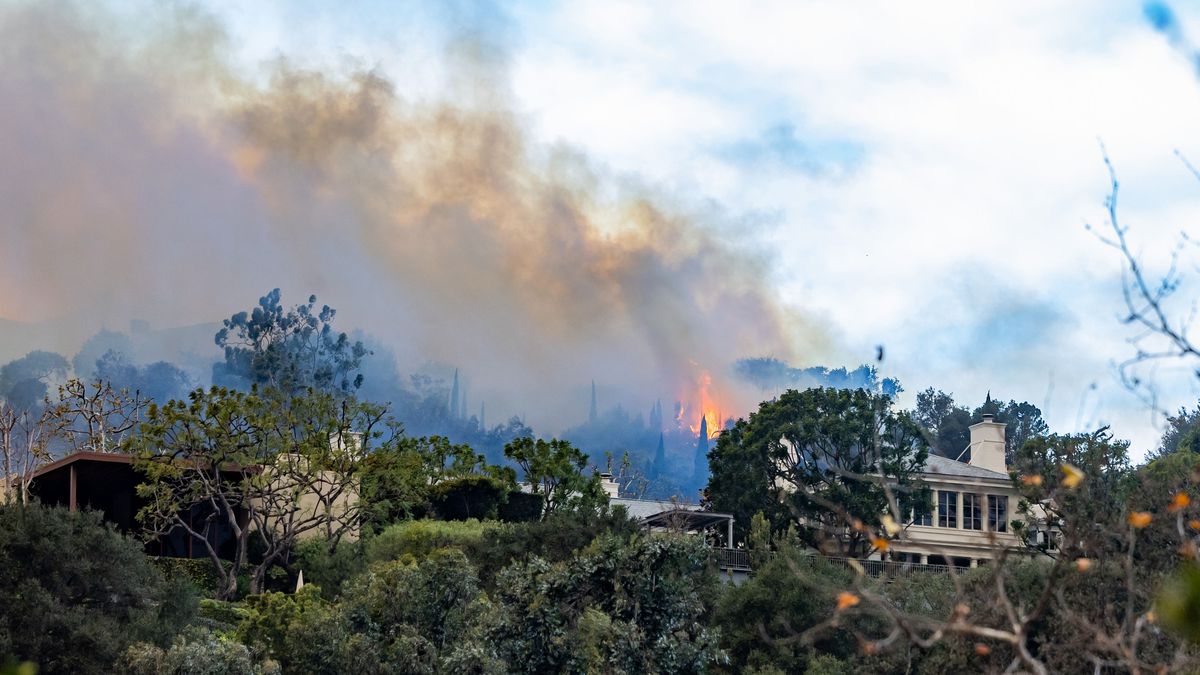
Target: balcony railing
x,y
738,560
890,568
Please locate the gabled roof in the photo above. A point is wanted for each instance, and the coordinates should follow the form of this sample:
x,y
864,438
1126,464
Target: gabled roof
x,y
942,466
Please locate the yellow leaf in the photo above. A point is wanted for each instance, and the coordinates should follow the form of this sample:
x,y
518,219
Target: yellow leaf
x,y
1140,519
1072,476
889,525
1031,479
880,543
846,600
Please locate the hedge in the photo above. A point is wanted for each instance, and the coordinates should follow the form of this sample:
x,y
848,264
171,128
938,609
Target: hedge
x,y
521,507
199,571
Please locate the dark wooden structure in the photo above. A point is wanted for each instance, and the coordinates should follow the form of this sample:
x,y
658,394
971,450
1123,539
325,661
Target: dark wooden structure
x,y
107,482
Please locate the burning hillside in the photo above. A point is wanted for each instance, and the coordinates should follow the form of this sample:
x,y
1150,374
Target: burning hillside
x,y
147,172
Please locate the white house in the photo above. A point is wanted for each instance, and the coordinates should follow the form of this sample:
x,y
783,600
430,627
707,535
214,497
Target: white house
x,y
973,505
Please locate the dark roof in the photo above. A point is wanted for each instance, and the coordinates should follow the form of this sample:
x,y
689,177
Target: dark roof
x,y
119,458
942,466
86,455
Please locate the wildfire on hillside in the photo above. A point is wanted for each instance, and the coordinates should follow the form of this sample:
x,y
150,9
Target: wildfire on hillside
x,y
704,407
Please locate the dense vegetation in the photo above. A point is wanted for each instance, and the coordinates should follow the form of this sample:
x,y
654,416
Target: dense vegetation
x,y
423,554
582,589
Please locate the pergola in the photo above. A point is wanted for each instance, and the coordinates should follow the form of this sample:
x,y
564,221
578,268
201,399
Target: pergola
x,y
665,515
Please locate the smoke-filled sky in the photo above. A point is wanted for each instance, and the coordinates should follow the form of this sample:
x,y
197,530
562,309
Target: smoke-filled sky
x,y
548,193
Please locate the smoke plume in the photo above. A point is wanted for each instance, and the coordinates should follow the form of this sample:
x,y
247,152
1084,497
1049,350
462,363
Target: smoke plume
x,y
144,174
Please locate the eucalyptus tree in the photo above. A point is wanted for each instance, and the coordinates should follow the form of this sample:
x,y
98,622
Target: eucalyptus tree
x,y
288,349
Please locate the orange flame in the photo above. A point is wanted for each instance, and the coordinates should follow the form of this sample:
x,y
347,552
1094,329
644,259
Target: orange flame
x,y
709,408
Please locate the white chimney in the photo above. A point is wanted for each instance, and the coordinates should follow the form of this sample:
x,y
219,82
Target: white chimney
x,y
611,487
987,445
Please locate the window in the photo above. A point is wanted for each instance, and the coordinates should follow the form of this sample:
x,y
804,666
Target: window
x,y
947,509
921,515
1047,540
972,511
998,513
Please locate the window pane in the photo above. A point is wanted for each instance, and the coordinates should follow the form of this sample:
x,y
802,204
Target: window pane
x,y
998,513
947,509
919,516
972,512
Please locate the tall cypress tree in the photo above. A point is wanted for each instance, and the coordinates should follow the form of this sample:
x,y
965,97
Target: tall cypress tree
x,y
660,459
454,397
700,467
990,407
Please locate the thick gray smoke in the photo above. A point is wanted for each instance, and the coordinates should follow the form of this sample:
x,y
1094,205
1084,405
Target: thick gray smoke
x,y
143,175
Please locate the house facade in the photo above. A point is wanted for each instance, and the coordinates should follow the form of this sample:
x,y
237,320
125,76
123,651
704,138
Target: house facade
x,y
972,509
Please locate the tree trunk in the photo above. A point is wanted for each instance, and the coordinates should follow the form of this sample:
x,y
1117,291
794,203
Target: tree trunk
x,y
229,585
258,577
256,580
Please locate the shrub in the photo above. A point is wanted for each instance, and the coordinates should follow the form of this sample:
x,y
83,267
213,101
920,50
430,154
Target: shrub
x,y
74,593
419,538
269,617
792,592
195,652
434,595
822,664
221,614
629,606
554,539
328,569
197,571
404,616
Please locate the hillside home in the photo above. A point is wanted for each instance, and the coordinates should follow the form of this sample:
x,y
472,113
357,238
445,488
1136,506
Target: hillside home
x,y
656,515
973,505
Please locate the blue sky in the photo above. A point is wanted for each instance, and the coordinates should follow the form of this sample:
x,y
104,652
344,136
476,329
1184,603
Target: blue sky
x,y
917,175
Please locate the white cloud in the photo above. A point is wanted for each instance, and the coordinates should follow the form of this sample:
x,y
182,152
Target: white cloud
x,y
979,128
